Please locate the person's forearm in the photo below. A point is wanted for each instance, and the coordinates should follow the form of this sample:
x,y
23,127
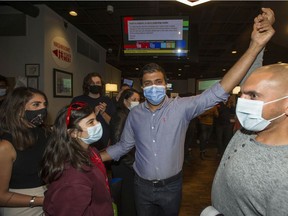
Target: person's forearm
x,y
12,199
105,156
234,76
256,64
106,117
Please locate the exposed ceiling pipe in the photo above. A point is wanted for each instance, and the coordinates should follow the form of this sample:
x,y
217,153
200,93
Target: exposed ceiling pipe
x,y
25,7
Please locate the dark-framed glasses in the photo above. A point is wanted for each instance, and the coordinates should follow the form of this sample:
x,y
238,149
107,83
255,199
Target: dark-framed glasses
x,y
74,106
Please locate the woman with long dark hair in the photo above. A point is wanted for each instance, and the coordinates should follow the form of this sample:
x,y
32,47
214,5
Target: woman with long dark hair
x,y
78,184
23,140
123,168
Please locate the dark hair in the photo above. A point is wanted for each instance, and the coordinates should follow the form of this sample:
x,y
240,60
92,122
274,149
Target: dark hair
x,y
87,81
12,119
126,94
125,85
62,148
4,79
152,68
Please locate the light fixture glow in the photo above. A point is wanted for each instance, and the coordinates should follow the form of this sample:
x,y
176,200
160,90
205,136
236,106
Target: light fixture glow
x,y
73,13
191,4
234,52
236,90
111,87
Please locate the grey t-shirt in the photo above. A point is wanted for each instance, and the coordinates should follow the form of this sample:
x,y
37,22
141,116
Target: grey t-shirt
x,y
252,179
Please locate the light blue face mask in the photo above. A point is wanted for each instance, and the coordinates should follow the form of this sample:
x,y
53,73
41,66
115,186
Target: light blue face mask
x,y
94,134
155,94
3,92
249,114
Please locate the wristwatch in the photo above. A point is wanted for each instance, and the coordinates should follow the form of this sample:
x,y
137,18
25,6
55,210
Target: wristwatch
x,y
32,202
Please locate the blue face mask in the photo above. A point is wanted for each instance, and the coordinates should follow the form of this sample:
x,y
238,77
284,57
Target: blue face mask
x,y
155,94
94,134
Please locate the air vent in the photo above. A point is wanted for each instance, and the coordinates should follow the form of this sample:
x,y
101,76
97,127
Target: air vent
x,y
87,49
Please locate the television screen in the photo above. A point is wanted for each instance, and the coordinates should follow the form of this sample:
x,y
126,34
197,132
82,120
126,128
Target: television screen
x,y
128,82
156,36
169,86
203,84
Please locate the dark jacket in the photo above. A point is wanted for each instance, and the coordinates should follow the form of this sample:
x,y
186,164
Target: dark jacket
x,y
117,124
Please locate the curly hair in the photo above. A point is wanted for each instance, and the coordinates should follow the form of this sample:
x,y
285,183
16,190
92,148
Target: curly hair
x,y
87,81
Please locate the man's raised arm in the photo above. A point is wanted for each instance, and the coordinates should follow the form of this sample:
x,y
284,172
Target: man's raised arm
x,y
261,34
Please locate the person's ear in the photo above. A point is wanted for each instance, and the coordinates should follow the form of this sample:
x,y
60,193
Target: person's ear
x,y
73,133
126,102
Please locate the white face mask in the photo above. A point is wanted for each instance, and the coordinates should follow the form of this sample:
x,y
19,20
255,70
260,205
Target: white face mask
x,y
2,92
94,134
133,104
249,114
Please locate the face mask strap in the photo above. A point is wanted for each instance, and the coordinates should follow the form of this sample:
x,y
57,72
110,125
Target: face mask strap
x,y
277,117
276,100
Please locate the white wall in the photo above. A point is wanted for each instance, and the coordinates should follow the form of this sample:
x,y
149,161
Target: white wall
x,y
35,47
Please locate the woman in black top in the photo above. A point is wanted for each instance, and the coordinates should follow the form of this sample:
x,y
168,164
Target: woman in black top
x,y
23,140
123,168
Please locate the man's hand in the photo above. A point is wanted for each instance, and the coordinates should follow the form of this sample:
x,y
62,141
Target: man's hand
x,y
100,108
262,28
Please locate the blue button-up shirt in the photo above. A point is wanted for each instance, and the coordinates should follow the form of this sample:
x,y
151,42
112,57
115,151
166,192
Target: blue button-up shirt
x,y
159,135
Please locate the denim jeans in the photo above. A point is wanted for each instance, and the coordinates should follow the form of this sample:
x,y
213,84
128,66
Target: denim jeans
x,y
158,201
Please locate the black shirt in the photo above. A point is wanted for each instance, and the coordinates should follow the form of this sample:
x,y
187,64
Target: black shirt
x,y
26,167
110,109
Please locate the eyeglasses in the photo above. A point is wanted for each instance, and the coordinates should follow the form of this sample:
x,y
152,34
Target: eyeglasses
x,y
73,106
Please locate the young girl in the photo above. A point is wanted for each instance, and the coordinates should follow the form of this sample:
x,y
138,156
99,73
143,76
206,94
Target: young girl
x,y
74,171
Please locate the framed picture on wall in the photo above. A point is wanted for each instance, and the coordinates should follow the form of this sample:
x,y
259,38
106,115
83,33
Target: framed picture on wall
x,y
32,70
62,83
32,82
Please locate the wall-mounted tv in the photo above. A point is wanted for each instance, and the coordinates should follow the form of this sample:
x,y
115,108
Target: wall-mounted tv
x,y
169,86
128,82
203,84
156,36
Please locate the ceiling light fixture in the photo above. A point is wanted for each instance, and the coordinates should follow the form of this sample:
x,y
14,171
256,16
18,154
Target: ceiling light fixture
x,y
73,13
234,52
192,3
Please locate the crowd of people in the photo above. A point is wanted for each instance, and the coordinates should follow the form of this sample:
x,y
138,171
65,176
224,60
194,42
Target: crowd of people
x,y
60,169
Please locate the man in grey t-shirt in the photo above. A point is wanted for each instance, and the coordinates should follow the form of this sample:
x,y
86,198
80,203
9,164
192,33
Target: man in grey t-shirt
x,y
252,176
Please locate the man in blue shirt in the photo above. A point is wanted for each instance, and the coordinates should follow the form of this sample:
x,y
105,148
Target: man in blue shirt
x,y
158,126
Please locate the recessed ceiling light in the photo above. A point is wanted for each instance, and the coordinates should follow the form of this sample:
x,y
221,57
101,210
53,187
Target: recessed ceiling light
x,y
179,69
194,3
234,52
73,13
